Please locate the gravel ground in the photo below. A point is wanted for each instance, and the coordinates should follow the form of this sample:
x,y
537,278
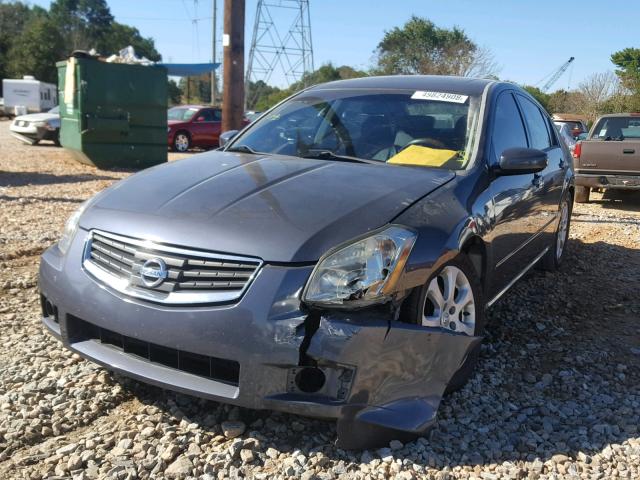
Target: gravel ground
x,y
556,395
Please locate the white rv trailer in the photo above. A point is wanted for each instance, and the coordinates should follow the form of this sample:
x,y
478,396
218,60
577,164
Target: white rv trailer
x,y
28,95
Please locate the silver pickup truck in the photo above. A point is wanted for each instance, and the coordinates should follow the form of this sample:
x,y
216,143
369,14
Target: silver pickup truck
x,y
610,156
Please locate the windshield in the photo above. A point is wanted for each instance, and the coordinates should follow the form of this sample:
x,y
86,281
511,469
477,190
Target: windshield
x,y
617,128
431,129
55,110
183,114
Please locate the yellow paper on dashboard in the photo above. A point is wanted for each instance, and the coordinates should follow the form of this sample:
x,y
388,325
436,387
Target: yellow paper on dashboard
x,y
423,156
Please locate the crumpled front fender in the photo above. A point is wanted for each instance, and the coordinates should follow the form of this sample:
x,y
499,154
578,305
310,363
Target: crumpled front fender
x,y
402,371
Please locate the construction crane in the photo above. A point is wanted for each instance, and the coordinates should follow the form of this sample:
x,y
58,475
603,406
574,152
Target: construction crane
x,y
556,75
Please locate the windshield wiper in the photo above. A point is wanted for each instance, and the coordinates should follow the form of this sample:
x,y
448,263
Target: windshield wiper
x,y
329,155
245,149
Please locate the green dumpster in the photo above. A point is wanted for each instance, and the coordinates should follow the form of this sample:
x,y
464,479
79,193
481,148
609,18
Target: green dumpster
x,y
113,115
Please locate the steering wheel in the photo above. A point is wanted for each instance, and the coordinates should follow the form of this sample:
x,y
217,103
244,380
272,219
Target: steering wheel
x,y
425,142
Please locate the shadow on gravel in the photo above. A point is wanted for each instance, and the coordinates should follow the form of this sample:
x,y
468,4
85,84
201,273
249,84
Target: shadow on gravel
x,y
558,377
21,179
620,200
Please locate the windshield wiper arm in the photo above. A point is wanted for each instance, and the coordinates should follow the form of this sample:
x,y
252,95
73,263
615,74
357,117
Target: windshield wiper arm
x,y
245,149
329,155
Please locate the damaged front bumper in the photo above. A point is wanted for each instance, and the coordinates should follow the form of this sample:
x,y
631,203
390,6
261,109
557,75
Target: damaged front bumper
x,y
378,377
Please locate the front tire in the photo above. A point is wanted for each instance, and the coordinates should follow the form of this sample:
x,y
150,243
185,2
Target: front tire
x,y
181,142
452,300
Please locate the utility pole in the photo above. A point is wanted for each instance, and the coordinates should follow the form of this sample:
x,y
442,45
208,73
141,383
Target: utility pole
x,y
233,45
214,41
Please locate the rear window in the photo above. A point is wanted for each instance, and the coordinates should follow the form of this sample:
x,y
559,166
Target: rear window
x,y
572,125
617,128
181,113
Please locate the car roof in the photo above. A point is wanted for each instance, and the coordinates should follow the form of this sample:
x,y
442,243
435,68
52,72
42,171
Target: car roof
x,y
463,85
194,106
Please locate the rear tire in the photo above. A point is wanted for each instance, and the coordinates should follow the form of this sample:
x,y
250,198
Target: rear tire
x,y
552,260
582,194
421,308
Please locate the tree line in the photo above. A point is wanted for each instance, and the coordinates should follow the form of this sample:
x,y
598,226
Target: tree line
x,y
32,39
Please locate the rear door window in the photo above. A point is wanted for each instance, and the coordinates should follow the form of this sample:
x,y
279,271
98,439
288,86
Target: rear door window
x,y
508,129
536,124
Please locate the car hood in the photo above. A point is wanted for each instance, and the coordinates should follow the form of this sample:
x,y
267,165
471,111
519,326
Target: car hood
x,y
173,123
38,117
281,209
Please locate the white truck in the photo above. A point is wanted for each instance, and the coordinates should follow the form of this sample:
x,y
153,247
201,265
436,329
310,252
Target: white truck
x,y
28,95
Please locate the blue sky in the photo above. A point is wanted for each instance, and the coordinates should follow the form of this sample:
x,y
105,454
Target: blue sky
x,y
528,39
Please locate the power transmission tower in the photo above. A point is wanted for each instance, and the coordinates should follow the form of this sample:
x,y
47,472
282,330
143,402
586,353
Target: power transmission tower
x,y
281,43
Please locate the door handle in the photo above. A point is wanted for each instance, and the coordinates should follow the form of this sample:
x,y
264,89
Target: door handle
x,y
629,150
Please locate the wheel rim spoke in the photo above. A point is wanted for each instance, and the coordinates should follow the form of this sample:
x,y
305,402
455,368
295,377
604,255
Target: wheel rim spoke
x,y
449,276
464,298
450,303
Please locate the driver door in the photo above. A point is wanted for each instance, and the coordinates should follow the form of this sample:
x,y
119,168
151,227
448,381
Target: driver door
x,y
516,217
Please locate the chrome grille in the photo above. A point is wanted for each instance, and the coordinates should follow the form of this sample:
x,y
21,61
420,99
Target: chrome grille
x,y
176,275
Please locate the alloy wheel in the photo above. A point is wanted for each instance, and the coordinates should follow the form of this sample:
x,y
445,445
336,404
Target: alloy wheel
x,y
182,142
449,302
562,229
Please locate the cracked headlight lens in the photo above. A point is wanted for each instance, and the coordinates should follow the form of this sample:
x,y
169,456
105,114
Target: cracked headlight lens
x,y
70,228
362,273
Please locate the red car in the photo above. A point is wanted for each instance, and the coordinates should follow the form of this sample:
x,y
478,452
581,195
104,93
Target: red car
x,y
193,126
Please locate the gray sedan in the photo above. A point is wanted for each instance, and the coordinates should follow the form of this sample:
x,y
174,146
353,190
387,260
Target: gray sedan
x,y
334,259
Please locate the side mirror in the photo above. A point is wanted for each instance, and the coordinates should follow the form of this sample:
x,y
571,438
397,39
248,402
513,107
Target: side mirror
x,y
226,137
520,161
200,119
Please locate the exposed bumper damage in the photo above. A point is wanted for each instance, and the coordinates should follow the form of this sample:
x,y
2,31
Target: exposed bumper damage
x,y
378,377
401,373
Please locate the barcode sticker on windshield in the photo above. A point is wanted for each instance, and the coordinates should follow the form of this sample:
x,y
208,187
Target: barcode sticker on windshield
x,y
440,96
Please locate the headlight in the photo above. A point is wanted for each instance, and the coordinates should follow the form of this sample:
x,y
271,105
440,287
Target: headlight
x,y
362,273
70,228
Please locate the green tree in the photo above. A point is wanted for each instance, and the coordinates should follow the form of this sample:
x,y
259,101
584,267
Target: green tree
x,y
13,18
628,63
83,24
257,93
174,94
36,50
120,36
262,96
421,47
196,89
542,97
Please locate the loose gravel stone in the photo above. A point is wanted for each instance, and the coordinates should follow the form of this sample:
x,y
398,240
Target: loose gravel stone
x,y
233,428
